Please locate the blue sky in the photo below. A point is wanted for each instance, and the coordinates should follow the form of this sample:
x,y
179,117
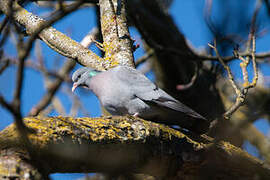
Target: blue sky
x,y
188,15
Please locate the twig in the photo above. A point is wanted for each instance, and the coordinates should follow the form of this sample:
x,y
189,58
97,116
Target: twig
x,y
251,49
259,56
182,87
241,94
236,89
90,37
3,24
76,104
19,77
58,106
240,97
37,67
255,68
6,105
252,43
5,32
144,58
4,66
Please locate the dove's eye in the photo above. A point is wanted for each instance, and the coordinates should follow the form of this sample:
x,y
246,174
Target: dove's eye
x,y
79,76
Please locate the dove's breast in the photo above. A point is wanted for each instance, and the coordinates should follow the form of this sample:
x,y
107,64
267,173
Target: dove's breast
x,y
112,94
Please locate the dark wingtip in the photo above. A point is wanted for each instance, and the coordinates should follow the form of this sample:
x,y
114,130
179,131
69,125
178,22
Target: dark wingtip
x,y
197,116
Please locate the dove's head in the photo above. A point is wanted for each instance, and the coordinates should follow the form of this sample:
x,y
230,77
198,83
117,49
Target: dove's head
x,y
82,77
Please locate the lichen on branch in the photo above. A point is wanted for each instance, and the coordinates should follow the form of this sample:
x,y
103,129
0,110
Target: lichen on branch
x,y
113,144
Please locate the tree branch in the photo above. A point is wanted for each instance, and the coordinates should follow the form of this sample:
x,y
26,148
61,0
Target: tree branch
x,y
114,144
258,56
117,41
53,38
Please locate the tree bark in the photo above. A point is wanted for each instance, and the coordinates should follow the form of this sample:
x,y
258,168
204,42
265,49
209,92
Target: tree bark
x,y
123,144
117,42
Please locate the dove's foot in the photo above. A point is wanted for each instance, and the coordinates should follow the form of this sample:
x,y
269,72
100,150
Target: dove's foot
x,y
136,115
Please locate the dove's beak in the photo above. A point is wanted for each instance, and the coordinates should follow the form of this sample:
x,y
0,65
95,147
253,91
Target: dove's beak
x,y
74,87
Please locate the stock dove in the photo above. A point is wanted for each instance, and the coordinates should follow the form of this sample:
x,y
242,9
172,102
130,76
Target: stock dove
x,y
124,90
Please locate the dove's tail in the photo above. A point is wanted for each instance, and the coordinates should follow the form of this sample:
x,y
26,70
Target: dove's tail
x,y
178,106
183,116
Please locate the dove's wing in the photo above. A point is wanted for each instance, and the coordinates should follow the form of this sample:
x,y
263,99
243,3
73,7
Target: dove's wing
x,y
137,83
144,89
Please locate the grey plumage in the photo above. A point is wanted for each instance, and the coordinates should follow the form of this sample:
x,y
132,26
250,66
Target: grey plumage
x,y
124,90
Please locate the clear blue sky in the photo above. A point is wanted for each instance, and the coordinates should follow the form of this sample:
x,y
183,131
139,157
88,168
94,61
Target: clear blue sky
x,y
188,15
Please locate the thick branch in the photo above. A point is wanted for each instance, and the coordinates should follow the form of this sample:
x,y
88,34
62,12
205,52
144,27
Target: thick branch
x,y
53,38
117,42
115,144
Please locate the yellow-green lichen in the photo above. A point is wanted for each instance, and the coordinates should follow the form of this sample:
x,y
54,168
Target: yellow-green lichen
x,y
4,170
118,129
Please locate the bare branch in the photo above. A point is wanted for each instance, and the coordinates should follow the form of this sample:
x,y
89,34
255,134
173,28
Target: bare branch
x,y
258,56
4,66
3,24
250,50
182,87
240,97
231,79
144,58
6,105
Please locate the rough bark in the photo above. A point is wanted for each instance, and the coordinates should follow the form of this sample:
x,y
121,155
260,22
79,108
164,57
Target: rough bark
x,y
124,144
117,42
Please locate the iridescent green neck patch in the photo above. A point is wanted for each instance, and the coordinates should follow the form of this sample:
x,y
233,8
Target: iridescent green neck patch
x,y
93,73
